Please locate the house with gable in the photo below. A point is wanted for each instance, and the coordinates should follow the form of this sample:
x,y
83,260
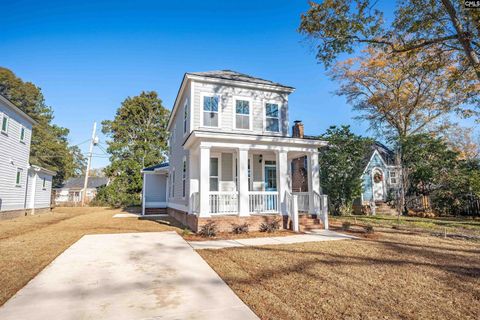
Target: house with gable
x,y
24,188
231,155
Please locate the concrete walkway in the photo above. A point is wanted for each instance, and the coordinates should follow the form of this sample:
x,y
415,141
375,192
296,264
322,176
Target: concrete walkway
x,y
127,276
313,236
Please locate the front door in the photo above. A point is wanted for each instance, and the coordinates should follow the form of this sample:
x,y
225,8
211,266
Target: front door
x,y
270,183
378,191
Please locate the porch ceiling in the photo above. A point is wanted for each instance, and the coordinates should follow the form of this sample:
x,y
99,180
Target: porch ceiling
x,y
251,141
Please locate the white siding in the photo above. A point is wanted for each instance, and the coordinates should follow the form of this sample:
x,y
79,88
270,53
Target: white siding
x,y
227,95
177,152
155,187
42,194
13,154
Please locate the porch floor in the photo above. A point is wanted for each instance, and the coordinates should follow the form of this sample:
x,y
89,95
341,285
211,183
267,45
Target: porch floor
x,y
312,236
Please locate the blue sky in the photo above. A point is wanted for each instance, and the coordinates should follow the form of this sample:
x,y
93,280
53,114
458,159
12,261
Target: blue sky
x,y
89,56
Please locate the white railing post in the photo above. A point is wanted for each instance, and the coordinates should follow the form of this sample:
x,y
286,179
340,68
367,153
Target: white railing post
x,y
294,212
324,208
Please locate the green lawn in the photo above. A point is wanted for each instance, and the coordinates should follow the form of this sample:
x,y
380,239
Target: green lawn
x,y
463,225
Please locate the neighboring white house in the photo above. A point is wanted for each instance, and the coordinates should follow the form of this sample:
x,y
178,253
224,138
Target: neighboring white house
x,y
17,177
230,155
70,193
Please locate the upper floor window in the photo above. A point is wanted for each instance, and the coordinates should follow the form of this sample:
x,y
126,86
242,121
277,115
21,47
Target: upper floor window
x,y
22,134
272,119
185,117
210,111
242,114
4,124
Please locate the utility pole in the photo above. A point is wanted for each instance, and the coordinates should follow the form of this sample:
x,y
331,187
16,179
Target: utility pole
x,y
93,142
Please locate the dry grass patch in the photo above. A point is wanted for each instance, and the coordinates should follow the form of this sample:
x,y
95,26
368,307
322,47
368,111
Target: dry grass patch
x,y
28,244
394,276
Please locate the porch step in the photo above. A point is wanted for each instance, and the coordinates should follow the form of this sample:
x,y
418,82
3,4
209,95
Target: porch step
x,y
383,208
309,222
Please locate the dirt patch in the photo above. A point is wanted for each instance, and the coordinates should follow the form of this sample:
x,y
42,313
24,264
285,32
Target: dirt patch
x,y
397,275
28,244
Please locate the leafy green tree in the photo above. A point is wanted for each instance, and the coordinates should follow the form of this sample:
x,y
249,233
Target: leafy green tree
x,y
437,172
341,26
49,147
138,138
341,166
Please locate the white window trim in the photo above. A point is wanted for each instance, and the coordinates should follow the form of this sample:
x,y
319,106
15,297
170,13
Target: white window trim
x,y
219,112
172,191
4,116
184,177
19,184
185,116
24,134
390,177
219,168
250,112
264,116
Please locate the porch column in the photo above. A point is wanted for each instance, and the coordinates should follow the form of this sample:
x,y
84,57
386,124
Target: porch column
x,y
193,175
243,205
283,185
313,180
204,181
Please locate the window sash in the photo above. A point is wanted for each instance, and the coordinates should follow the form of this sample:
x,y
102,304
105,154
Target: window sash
x,y
242,114
18,177
4,123
272,118
184,177
214,174
22,134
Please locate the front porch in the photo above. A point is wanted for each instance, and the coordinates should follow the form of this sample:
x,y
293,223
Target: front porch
x,y
252,181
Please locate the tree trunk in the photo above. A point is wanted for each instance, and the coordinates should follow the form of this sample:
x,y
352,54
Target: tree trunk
x,y
462,37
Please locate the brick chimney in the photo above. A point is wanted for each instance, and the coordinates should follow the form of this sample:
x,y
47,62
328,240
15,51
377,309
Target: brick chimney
x,y
297,129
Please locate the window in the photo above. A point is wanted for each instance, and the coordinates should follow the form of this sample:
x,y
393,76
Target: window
x,y
18,177
393,177
214,174
22,134
210,111
184,177
242,114
185,117
4,124
271,117
173,183
44,183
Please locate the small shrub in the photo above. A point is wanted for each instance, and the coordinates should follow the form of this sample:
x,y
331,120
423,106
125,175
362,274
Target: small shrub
x,y
369,229
346,225
240,228
270,226
186,232
208,230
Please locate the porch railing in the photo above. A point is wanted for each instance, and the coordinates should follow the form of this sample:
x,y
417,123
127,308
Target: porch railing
x,y
223,202
263,201
303,201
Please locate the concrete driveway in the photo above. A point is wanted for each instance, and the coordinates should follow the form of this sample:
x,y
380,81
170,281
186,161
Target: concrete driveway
x,y
127,276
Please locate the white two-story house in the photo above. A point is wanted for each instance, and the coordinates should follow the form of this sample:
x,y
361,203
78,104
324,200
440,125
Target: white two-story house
x,y
230,155
23,188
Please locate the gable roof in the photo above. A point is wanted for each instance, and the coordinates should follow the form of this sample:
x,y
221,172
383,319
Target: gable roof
x,y
157,166
386,155
10,104
237,76
78,182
